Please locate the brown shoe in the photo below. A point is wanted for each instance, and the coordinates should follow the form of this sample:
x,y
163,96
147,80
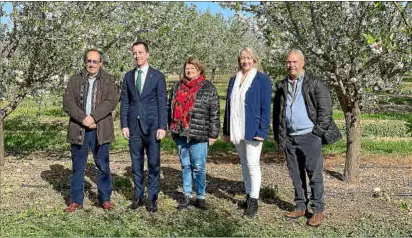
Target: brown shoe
x,y
73,207
295,214
316,219
107,205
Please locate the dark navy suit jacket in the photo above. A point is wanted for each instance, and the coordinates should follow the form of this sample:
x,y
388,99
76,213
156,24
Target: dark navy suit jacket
x,y
150,106
257,107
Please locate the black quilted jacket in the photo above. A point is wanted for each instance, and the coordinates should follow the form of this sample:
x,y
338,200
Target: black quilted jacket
x,y
318,104
204,116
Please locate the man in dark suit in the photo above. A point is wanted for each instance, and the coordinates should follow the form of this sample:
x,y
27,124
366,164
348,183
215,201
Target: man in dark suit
x,y
143,114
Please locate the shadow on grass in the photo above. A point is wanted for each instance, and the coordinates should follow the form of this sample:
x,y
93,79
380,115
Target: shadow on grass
x,y
29,134
59,177
220,188
270,196
120,184
335,174
231,157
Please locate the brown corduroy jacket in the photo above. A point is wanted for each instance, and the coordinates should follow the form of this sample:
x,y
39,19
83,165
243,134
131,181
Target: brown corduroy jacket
x,y
105,97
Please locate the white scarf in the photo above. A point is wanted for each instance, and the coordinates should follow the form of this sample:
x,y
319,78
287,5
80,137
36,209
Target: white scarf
x,y
237,105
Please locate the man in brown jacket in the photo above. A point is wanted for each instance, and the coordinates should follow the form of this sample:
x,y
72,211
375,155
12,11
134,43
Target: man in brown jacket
x,y
89,99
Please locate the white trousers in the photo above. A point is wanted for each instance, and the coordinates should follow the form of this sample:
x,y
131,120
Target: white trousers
x,y
249,153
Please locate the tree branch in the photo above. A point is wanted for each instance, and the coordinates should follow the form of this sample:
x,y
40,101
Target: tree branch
x,y
294,23
315,26
402,12
14,43
370,62
12,105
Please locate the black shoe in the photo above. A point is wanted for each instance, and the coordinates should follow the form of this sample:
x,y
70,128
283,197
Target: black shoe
x,y
185,203
137,203
252,208
243,204
201,204
152,206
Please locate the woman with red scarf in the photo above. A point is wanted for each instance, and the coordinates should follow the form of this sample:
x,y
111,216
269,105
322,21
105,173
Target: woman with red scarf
x,y
194,120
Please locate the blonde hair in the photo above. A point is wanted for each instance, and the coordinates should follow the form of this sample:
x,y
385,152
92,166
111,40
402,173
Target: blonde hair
x,y
252,53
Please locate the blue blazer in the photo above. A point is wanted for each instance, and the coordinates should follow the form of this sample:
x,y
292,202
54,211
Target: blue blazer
x,y
150,106
257,107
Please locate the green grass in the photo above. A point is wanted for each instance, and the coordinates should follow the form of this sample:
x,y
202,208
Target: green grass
x,y
401,100
403,116
42,126
171,223
373,146
384,128
130,225
407,79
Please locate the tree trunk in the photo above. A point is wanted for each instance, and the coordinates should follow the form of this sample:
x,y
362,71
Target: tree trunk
x,y
212,75
353,143
2,161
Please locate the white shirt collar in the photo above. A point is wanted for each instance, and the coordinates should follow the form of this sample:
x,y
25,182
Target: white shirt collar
x,y
144,68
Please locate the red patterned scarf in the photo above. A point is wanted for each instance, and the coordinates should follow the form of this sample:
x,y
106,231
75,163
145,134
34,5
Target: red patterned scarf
x,y
184,102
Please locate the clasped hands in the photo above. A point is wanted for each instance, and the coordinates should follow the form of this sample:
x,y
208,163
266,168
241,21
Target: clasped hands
x,y
89,122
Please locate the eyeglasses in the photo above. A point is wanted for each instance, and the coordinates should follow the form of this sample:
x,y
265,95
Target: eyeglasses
x,y
92,61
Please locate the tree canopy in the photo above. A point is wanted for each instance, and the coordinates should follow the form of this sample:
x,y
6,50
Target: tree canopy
x,y
356,47
46,41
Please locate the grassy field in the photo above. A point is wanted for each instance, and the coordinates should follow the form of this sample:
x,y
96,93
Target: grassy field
x,y
42,127
35,185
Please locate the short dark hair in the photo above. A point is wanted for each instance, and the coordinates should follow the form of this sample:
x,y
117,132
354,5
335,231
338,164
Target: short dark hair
x,y
146,47
92,50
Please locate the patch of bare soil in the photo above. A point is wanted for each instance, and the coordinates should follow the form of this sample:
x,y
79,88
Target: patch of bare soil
x,y
44,180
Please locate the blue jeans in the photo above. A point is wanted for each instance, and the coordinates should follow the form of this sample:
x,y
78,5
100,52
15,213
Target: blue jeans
x,y
79,160
192,157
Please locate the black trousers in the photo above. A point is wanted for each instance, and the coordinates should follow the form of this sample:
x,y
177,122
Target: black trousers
x,y
304,156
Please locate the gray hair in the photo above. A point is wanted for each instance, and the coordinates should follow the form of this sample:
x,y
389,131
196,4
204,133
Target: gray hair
x,y
296,51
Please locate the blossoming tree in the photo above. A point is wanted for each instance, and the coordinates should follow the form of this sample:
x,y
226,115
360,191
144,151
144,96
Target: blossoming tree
x,y
43,42
354,46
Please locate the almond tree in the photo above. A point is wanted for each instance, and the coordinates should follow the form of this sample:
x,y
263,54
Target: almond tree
x,y
45,42
356,47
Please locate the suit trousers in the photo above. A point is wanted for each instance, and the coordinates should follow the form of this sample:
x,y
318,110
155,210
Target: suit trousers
x,y
79,161
138,143
304,156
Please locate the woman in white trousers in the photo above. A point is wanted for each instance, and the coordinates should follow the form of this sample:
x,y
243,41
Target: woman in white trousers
x,y
247,120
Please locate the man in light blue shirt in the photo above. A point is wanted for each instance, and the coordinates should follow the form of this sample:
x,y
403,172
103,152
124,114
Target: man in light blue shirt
x,y
302,122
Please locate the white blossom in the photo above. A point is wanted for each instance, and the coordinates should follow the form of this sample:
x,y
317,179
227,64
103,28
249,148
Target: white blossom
x,y
376,48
